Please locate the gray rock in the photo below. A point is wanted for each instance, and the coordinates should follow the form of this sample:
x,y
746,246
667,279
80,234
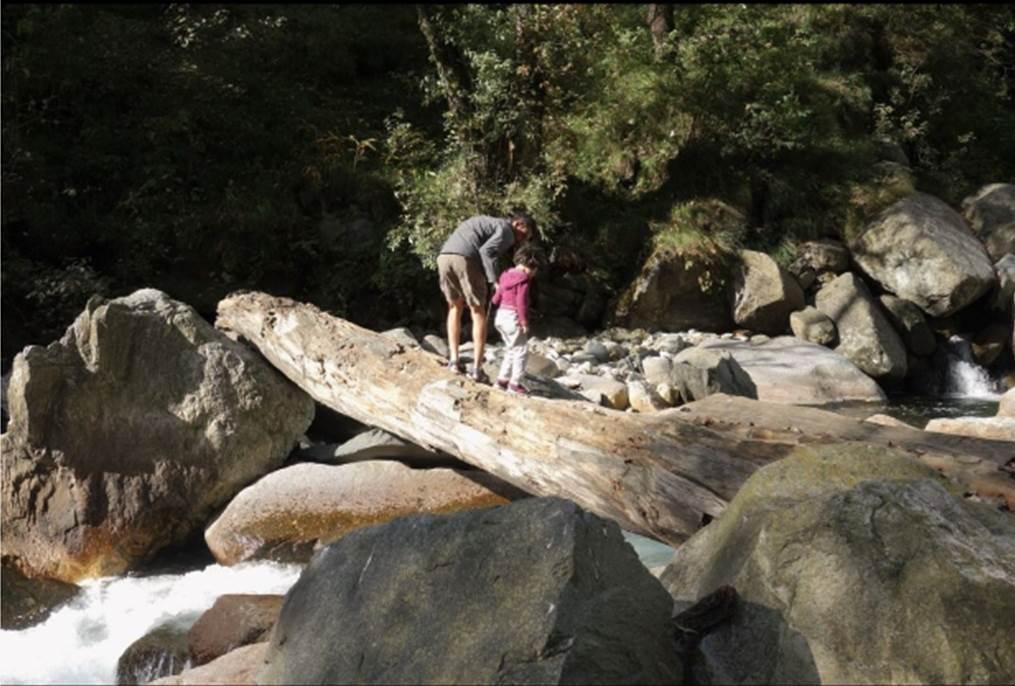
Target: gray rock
x,y
820,256
234,620
535,592
1006,407
667,295
854,564
657,369
700,372
129,432
642,397
375,444
26,602
235,668
1005,293
764,294
598,351
866,336
910,322
286,514
436,345
921,250
539,365
161,652
789,370
813,326
991,213
995,428
989,342
402,335
614,391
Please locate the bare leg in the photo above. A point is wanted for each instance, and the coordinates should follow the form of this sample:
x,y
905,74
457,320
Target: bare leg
x,y
478,333
455,310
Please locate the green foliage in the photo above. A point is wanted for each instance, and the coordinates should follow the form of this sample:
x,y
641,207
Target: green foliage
x,y
326,151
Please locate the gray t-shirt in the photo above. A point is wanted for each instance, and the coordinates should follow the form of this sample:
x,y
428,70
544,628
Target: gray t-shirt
x,y
486,238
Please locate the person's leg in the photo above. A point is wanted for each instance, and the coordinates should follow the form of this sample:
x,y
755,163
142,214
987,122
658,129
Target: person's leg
x,y
455,310
478,334
503,325
520,357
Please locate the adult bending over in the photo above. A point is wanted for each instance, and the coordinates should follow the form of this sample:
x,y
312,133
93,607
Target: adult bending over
x,y
468,267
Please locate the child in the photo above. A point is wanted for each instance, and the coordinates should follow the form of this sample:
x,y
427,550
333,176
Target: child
x,y
512,321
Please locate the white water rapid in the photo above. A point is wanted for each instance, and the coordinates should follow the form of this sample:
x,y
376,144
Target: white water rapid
x,y
81,642
967,379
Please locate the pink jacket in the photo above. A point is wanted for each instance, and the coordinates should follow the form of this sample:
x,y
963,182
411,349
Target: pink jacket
x,y
513,293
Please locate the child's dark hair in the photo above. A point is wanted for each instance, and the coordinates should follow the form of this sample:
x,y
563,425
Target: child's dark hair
x,y
528,256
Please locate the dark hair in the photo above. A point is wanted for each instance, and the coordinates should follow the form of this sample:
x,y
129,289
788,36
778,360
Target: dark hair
x,y
530,224
528,256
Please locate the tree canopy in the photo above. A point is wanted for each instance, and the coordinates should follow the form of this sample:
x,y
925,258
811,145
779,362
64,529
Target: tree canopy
x,y
323,152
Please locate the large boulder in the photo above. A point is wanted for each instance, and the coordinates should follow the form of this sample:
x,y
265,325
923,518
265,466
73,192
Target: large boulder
x,y
1006,407
127,433
764,294
991,213
922,250
160,652
702,371
26,602
910,322
288,513
788,370
820,256
1004,296
537,592
238,667
854,565
812,326
997,428
234,620
675,293
866,336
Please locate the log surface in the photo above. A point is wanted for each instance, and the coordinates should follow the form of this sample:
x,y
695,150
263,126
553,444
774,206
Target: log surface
x,y
655,474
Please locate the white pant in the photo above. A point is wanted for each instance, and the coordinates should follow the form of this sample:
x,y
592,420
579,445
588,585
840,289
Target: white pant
x,y
516,348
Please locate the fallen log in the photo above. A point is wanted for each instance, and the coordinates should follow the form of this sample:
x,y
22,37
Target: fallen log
x,y
655,474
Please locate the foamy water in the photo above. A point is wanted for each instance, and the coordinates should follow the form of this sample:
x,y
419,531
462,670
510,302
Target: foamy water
x,y
967,379
81,642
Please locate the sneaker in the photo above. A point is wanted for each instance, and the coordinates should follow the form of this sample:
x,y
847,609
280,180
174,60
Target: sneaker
x,y
477,374
502,384
456,366
517,389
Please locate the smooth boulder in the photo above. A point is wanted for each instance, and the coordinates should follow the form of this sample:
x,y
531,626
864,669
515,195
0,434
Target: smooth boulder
x,y
1006,406
160,652
702,371
236,668
812,326
997,428
792,371
286,514
536,592
921,250
234,620
668,295
854,564
866,336
127,434
764,294
991,214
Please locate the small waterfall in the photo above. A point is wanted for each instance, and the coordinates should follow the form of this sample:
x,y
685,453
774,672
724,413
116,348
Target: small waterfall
x,y
81,642
964,377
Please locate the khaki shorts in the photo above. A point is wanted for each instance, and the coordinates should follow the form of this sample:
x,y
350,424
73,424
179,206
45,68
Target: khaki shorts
x,y
462,279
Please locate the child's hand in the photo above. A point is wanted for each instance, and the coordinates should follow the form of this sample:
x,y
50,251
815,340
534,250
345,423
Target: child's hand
x,y
525,329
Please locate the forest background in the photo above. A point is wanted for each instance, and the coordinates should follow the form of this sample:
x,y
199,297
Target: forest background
x,y
323,152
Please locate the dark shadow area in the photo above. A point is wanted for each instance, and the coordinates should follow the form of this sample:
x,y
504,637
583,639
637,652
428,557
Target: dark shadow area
x,y
758,646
